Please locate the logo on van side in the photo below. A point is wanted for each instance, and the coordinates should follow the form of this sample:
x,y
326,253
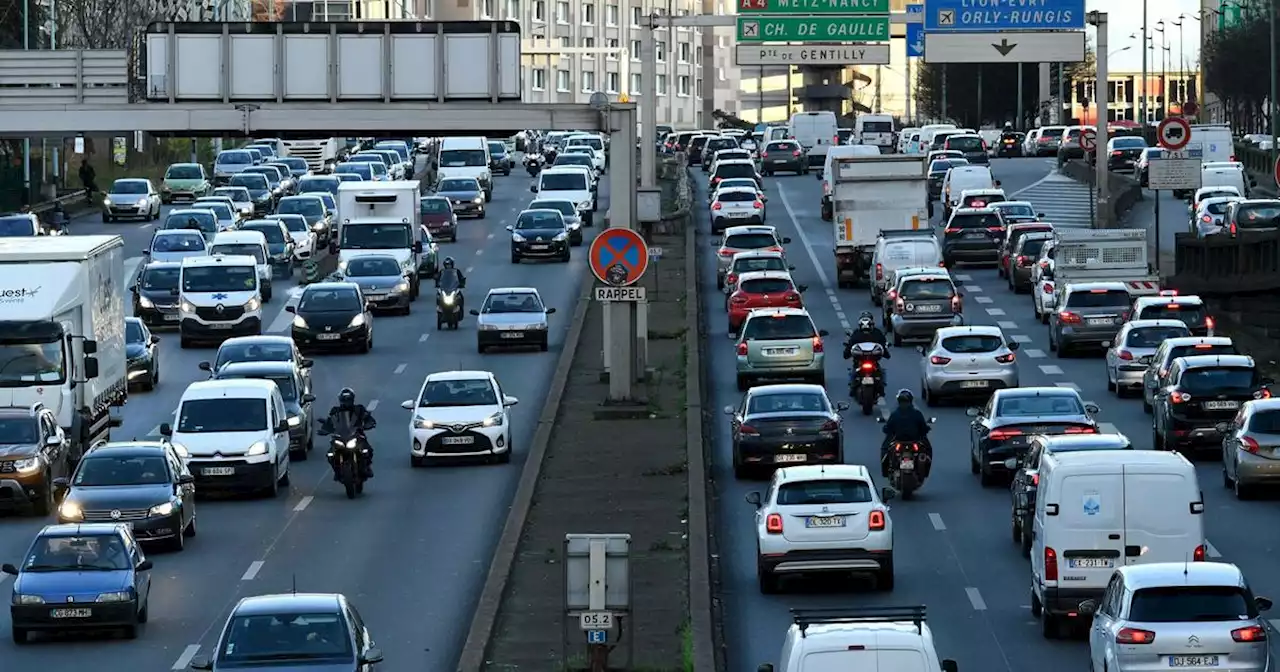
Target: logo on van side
x,y
17,294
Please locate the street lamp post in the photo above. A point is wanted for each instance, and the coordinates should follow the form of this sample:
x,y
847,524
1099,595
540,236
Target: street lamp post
x,y
1164,83
1271,107
1144,64
1181,81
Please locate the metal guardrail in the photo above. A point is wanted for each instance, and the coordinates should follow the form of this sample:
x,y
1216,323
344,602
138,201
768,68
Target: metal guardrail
x,y
64,76
64,200
1226,264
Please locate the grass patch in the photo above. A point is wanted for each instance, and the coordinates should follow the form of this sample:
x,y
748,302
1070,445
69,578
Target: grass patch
x,y
686,647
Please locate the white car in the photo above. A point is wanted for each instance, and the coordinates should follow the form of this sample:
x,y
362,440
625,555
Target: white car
x,y
1043,288
512,317
460,414
749,262
967,360
595,143
223,209
821,519
304,239
729,155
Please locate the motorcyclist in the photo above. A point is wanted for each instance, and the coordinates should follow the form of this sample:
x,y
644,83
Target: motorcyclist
x,y
867,332
361,419
908,424
450,278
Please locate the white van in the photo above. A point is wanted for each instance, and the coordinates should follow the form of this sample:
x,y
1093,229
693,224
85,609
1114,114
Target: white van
x,y
568,184
248,243
841,152
218,298
595,143
963,178
1215,142
926,136
1226,174
1098,510
236,432
872,639
909,250
816,132
876,130
904,137
466,157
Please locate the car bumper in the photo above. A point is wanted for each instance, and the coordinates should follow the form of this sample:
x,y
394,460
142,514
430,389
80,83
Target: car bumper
x,y
790,370
780,454
548,250
1254,470
449,231
158,318
1199,433
979,383
992,455
825,560
354,336
129,211
915,326
158,528
1075,336
784,165
244,476
1021,276
497,338
19,491
388,301
1066,601
139,369
483,442
971,254
102,615
468,209
181,196
196,330
1130,378
722,223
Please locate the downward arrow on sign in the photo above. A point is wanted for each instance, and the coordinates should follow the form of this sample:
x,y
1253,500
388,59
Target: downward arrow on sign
x,y
1004,47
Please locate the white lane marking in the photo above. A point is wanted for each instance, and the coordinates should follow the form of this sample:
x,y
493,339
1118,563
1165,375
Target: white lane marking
x,y
400,368
813,257
983,299
936,519
1006,324
489,237
423,338
963,277
372,406
469,269
296,291
975,599
1069,386
185,659
252,573
1050,370
1108,428
1033,185
973,288
303,503
995,312
479,252
155,431
1020,338
1035,354
1210,551
130,268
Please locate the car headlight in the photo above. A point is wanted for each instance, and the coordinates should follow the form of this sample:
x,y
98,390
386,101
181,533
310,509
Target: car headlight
x,y
70,511
258,448
27,465
27,599
342,266
574,226
145,302
537,327
357,320
478,200
517,238
117,596
295,420
494,420
585,205
318,226
560,237
403,286
161,509
423,423
349,444
106,202
299,322
253,304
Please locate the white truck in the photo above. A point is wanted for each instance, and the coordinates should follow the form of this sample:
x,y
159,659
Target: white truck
x,y
62,332
1104,255
381,218
873,194
320,155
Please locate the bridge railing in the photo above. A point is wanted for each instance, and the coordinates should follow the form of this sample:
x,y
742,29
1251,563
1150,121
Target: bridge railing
x,y
1225,264
64,77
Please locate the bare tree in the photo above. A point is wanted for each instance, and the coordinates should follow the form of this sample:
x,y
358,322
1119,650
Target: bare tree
x,y
113,24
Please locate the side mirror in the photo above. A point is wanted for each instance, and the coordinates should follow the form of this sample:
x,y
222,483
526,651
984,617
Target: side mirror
x,y
887,493
509,400
417,247
823,332
1088,607
1223,427
146,253
1011,463
201,663
1263,603
89,347
60,484
920,349
9,569
997,183
533,188
551,311
90,368
949,665
818,176
800,288
473,311
155,339
509,228
143,566
186,479
728,410
879,416
291,309
166,429
206,366
53,441
283,426
133,290
308,398
791,268
373,655
842,406
753,498
408,404
1014,345
786,241
972,412
1092,408
1041,215
308,363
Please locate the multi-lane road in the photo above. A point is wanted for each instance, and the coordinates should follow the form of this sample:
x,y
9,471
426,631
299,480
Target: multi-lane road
x,y
953,549
412,553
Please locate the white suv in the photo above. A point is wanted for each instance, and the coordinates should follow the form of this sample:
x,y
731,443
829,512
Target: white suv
x,y
873,638
460,414
819,519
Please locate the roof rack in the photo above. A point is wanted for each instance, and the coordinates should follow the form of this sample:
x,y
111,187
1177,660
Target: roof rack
x,y
906,233
806,617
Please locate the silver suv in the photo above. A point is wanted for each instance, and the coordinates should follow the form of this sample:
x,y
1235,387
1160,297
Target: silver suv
x,y
780,343
736,207
1089,314
923,304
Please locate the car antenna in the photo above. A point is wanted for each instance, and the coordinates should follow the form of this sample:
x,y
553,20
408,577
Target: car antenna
x,y
295,583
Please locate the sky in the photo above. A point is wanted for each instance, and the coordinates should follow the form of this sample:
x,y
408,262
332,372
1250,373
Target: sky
x,y
1125,18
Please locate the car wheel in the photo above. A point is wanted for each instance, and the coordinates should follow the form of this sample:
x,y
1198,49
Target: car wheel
x,y
769,583
190,530
19,635
515,258
1242,492
178,543
884,577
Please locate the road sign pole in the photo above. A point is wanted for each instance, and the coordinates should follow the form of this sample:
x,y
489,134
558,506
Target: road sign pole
x,y
1019,125
622,188
1099,19
648,107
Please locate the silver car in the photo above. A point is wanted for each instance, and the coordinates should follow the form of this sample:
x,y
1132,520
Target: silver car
x,y
381,281
1129,355
209,203
1178,615
1089,314
1207,219
512,317
780,343
735,207
970,360
176,245
923,304
745,239
1251,447
240,198
131,198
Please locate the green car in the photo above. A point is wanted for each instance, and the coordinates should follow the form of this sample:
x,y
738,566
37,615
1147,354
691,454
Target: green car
x,y
185,182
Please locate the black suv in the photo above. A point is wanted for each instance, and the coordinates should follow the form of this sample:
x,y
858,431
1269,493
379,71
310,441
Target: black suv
x,y
1197,393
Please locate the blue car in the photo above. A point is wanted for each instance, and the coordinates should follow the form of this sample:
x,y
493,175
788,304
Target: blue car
x,y
89,576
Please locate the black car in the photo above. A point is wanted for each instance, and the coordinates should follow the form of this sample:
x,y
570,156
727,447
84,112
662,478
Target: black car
x,y
280,244
938,172
294,389
464,194
694,149
1001,429
258,349
142,483
972,146
381,281
297,166
539,234
275,177
259,190
1197,393
783,156
142,353
155,294
332,315
1123,152
500,160
972,235
781,425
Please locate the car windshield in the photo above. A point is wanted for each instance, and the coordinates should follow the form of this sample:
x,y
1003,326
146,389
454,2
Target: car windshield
x,y
311,208
540,220
1031,247
17,431
972,343
219,210
203,221
462,158
1260,216
246,249
563,182
1098,298
759,264
750,241
272,175
927,288
765,286
735,170
158,279
964,143
129,187
373,267
738,183
468,392
565,208
288,389
364,170
235,158
1037,405
593,143
513,302
1200,349
466,185
17,225
376,236
1152,337
114,470
178,243
224,414
329,300
253,352
1265,422
1217,193
272,232
1212,379
943,165
1129,143
285,637
293,223
788,402
132,331
497,149
736,197
295,164
782,147
250,181
823,492
719,144
240,195
81,553
985,221
778,328
434,206
1015,209
1193,315
326,184
1191,604
220,278
1218,208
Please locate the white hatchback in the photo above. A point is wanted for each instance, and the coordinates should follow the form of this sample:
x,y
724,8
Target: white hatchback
x,y
460,414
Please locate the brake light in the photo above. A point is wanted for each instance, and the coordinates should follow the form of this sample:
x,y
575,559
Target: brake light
x,y
829,426
1250,445
1173,306
1207,219
1004,434
817,344
1135,636
758,204
795,153
939,361
1168,292
868,366
879,271
1209,323
742,349
1264,393
1179,397
1042,140
1233,158
727,252
748,430
1035,479
1045,265
942,264
893,294
738,298
792,298
1117,153
1198,554
1023,260
1006,359
875,521
1125,355
1232,229
835,139
764,155
716,206
977,203
1200,346
715,180
773,523
1050,564
956,304
949,230
1253,633
1068,317
1080,430
731,280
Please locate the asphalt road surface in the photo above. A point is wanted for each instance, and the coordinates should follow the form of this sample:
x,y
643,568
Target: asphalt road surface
x,y
953,550
412,553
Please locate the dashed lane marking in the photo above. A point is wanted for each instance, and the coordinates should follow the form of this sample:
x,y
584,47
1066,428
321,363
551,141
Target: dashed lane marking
x,y
1006,324
1035,354
1070,386
372,406
469,269
1050,370
983,299
963,277
973,288
479,252
423,338
184,660
995,312
252,573
936,519
489,237
975,599
813,257
1020,338
1210,551
303,503
400,368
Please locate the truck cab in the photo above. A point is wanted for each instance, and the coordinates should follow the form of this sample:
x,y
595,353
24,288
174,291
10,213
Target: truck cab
x,y
381,219
218,297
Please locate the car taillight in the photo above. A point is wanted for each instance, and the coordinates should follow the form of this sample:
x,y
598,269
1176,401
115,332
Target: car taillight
x,y
875,521
1179,397
1125,355
1198,554
1250,445
738,299
1253,633
835,139
748,430
764,155
1050,564
795,153
1042,140
1233,158
899,305
829,426
731,279
977,204
727,252
773,523
792,298
879,271
1135,636
817,344
939,361
995,229
1045,264
868,366
1117,153
893,294
1004,434
742,349
956,304
1264,393
1006,359
1048,288
1080,430
1023,260
1067,317
758,204
715,180
716,206
1207,219
950,230
1209,323
1035,479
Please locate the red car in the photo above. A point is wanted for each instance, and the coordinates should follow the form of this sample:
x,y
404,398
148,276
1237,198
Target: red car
x,y
437,215
762,289
1014,232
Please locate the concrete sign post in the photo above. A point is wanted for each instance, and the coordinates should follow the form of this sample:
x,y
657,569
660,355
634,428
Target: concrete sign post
x,y
597,596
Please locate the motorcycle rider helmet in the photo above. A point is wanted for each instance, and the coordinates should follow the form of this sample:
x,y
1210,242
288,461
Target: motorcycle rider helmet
x,y
865,321
905,397
448,262
347,398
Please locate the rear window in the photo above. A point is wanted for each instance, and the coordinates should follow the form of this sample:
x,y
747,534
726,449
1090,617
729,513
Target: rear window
x,y
1202,349
721,143
927,289
736,197
1261,216
1265,422
759,264
817,493
750,241
972,343
1047,404
1190,604
877,127
1217,379
944,165
1031,248
766,286
975,222
1129,143
965,144
1192,316
735,170
1107,298
1217,208
1051,133
778,327
788,402
1152,337
908,251
781,147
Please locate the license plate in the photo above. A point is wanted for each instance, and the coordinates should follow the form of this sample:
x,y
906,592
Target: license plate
x,y
1145,360
539,247
1193,661
789,457
219,325
171,318
1098,322
737,213
779,161
868,380
780,352
70,613
457,440
328,337
1091,563
375,297
907,464
929,308
824,521
512,334
969,384
218,471
975,234
1221,405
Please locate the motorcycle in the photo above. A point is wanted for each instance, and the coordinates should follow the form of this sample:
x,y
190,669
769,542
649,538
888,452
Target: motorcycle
x,y
866,376
1009,147
909,463
533,164
348,451
449,301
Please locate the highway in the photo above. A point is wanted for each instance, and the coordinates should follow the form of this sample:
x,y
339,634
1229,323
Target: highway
x,y
412,553
953,548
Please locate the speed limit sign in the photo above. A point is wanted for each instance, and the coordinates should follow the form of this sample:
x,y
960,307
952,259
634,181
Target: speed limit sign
x,y
1088,140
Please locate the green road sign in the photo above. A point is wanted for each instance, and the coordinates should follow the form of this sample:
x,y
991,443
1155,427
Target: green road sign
x,y
813,6
813,29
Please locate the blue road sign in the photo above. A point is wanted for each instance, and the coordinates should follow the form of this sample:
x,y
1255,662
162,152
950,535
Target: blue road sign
x,y
597,636
989,16
915,33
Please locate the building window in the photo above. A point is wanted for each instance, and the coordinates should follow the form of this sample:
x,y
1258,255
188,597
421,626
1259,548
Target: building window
x,y
685,51
539,79
615,82
699,58
332,11
540,10
612,43
661,48
566,42
487,9
611,15
636,47
700,87
588,81
637,86
682,85
720,74
589,43
512,12
562,80
588,14
661,84
562,12
637,17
